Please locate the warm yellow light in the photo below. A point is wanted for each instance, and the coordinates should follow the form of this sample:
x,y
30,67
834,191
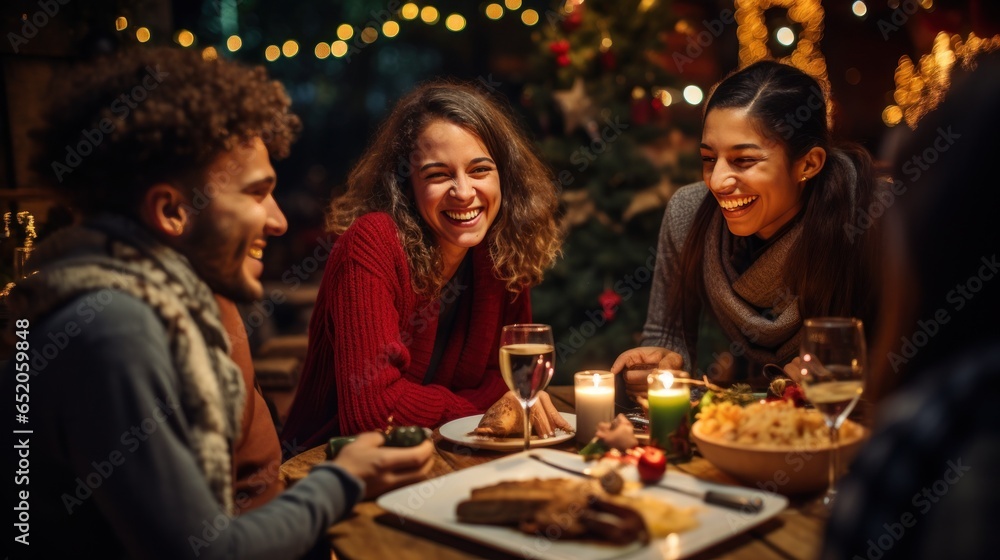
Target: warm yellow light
x,y
210,53
233,43
390,29
338,48
345,32
785,36
369,34
322,50
494,11
638,93
891,115
665,98
272,52
606,44
512,4
430,15
184,38
693,95
529,17
859,8
142,34
121,23
454,22
290,48
409,11
926,4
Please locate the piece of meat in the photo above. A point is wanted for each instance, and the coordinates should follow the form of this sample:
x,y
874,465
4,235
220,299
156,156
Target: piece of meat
x,y
504,419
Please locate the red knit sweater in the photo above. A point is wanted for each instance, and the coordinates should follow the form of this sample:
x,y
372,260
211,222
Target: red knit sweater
x,y
371,338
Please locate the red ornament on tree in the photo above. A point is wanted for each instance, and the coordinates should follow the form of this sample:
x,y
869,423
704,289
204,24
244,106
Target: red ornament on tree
x,y
573,21
608,61
610,300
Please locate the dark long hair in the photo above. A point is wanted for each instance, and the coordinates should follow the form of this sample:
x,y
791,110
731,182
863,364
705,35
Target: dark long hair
x,y
830,268
523,240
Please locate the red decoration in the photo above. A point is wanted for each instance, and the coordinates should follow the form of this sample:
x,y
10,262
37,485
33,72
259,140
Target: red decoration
x,y
610,300
641,111
652,465
559,47
563,60
608,61
573,21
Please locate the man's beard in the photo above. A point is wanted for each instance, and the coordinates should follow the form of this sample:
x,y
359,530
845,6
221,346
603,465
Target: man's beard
x,y
219,262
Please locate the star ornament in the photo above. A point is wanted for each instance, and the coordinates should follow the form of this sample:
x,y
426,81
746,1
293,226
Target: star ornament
x,y
575,105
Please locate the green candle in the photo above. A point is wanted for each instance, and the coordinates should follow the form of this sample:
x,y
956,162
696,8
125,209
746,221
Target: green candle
x,y
668,405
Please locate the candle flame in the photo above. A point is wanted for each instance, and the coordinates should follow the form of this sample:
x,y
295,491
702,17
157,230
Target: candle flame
x,y
597,380
667,379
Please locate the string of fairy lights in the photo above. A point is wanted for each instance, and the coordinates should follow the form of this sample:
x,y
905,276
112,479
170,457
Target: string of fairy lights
x,y
409,13
918,87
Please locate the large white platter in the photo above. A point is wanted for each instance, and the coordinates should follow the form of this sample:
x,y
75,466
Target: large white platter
x,y
457,431
433,503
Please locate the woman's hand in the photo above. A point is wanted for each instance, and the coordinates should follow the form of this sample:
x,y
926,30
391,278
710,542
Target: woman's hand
x,y
385,468
545,418
652,357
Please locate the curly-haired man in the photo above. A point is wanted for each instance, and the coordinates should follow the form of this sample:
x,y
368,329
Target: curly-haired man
x,y
136,407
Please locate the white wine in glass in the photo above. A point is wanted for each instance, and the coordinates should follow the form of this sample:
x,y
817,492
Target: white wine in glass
x,y
833,355
527,362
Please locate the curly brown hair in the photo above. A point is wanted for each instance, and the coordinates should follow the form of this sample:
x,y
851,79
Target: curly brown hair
x,y
143,116
524,239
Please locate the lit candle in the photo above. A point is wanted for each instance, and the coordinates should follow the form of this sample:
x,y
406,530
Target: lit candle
x,y
595,402
668,405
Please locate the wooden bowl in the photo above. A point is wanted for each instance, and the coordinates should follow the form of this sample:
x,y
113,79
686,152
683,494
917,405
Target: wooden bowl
x,y
782,470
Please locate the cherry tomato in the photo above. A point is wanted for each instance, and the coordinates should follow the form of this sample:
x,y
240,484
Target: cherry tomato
x,y
652,465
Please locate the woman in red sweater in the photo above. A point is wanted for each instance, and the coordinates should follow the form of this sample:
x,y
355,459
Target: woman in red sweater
x,y
448,219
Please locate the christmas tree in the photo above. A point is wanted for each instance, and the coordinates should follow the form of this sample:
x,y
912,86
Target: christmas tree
x,y
609,104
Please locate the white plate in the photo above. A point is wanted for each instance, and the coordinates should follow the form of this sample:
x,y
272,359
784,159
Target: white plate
x,y
457,431
433,503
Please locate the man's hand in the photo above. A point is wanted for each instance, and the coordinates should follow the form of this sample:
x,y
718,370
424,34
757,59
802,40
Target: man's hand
x,y
653,357
385,468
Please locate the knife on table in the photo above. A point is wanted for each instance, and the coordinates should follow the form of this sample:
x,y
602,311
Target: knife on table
x,y
748,504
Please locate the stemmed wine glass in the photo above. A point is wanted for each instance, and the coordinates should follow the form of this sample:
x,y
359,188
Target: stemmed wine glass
x,y
833,355
527,361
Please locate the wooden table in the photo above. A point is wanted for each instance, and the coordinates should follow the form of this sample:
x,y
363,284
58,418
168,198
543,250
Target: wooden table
x,y
372,532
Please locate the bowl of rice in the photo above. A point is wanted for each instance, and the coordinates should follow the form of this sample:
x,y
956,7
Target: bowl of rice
x,y
773,446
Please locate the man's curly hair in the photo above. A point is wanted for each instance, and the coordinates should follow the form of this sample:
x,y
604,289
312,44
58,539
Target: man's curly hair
x,y
144,116
524,239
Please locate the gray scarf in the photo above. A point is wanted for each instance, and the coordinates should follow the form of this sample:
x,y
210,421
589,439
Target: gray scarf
x,y
755,309
116,253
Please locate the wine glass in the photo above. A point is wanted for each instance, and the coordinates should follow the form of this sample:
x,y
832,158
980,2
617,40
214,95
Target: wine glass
x,y
527,361
833,357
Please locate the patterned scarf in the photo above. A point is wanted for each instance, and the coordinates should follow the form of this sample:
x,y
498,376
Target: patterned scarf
x,y
115,253
755,309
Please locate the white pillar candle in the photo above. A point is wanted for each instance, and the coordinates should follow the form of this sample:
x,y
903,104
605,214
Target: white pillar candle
x,y
595,402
